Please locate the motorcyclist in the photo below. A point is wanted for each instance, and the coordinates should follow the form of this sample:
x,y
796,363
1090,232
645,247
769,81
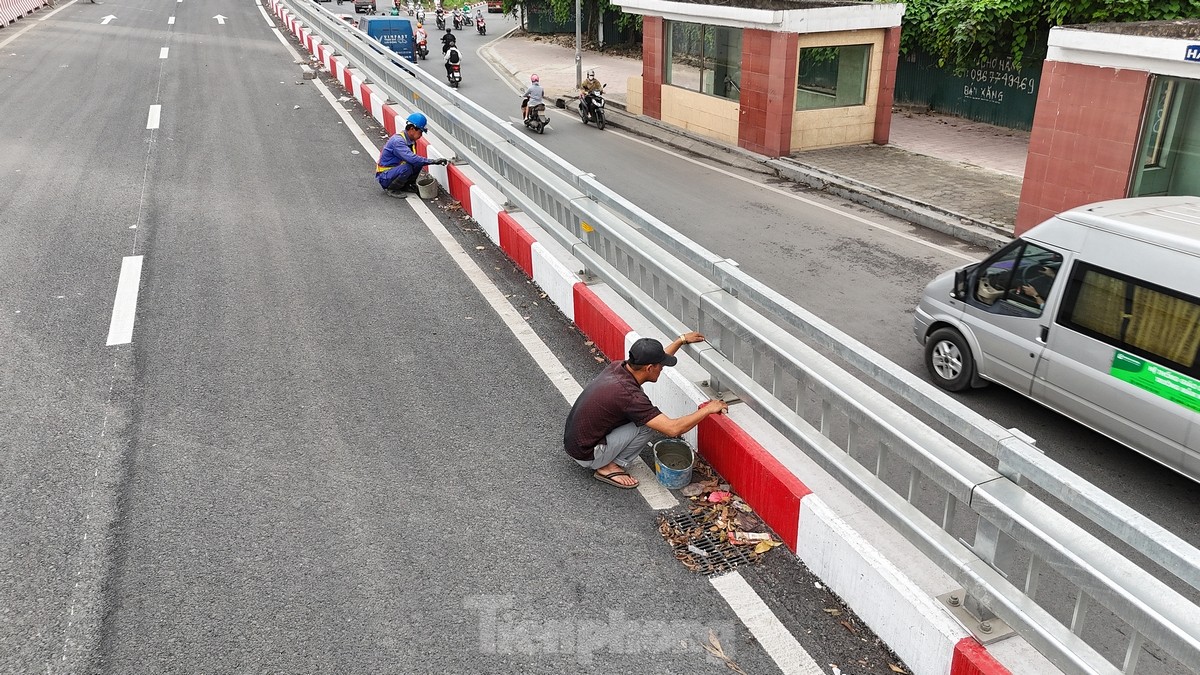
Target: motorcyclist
x,y
420,36
458,18
440,15
399,164
478,16
533,97
452,57
448,40
588,86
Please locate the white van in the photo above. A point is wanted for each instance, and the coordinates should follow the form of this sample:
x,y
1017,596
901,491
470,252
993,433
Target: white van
x,y
1094,313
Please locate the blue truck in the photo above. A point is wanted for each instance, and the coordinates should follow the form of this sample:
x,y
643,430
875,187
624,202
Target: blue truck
x,y
393,32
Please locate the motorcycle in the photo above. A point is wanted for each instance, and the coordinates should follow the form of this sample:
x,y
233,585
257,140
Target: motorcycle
x,y
591,107
480,26
441,23
420,16
534,120
423,49
457,22
467,19
454,75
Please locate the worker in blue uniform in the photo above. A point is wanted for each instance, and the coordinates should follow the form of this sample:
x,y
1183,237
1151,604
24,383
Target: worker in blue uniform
x,y
399,164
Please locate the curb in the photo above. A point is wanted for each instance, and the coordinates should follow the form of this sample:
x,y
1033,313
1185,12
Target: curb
x,y
904,616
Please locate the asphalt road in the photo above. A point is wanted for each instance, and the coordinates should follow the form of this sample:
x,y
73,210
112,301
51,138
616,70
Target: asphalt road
x,y
321,450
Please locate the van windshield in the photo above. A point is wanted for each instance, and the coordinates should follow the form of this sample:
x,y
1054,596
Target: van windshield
x,y
1019,278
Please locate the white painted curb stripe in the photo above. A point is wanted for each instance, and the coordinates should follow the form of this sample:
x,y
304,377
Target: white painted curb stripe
x,y
120,327
906,618
485,210
766,628
153,118
554,277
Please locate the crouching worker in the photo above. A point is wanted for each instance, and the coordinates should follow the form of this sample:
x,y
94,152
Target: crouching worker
x,y
399,164
613,419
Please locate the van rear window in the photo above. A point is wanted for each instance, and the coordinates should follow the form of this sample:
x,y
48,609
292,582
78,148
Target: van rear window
x,y
1139,317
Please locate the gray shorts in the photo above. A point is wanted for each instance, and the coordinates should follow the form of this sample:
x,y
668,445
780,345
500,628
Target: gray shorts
x,y
622,445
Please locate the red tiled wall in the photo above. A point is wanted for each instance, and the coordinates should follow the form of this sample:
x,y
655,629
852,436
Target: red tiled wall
x,y
887,85
654,43
768,82
1084,139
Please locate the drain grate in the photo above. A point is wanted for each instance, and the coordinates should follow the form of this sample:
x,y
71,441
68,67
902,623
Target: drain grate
x,y
680,527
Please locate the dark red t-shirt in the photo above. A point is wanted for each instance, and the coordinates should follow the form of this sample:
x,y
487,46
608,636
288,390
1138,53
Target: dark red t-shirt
x,y
609,401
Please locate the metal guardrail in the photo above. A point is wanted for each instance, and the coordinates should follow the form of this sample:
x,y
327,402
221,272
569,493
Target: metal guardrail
x,y
851,430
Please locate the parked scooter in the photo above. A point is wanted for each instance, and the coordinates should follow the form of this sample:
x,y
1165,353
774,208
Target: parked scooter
x,y
454,74
481,26
534,119
591,107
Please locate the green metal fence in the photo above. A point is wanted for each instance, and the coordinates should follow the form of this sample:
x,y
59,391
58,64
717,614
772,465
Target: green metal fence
x,y
993,91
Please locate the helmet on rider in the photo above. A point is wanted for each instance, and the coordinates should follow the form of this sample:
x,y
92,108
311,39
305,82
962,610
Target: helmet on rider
x,y
417,121
591,75
419,25
533,77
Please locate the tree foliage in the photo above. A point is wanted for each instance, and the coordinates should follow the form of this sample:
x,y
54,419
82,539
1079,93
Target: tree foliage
x,y
591,10
960,33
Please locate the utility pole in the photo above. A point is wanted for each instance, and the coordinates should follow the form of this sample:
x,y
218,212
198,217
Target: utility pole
x,y
578,41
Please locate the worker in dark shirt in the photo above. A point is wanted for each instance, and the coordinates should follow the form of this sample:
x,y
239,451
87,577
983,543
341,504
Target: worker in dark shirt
x,y
613,419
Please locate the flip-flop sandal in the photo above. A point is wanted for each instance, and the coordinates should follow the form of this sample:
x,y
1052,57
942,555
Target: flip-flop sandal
x,y
608,478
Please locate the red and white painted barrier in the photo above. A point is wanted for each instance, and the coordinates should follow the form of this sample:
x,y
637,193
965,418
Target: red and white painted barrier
x,y
763,467
11,10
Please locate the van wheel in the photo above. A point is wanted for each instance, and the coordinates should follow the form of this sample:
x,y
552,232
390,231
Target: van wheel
x,y
949,360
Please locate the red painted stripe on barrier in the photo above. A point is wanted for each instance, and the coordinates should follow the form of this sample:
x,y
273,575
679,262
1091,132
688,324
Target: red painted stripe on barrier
x,y
597,321
347,83
755,475
365,94
972,658
460,187
389,119
517,243
422,145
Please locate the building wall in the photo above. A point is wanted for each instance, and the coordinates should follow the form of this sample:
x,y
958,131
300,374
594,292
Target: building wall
x,y
812,129
654,44
1084,139
633,96
768,91
709,116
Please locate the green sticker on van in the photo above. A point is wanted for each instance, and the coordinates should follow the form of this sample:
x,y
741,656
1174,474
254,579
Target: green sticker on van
x,y
1156,379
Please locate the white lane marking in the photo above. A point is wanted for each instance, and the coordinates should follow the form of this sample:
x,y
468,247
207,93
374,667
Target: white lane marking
x,y
152,119
171,21
120,327
791,658
162,53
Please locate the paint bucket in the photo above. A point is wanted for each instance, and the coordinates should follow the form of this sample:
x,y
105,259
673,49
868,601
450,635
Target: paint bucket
x,y
673,462
427,186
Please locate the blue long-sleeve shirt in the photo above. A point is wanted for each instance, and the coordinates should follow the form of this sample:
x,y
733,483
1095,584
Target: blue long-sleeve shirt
x,y
397,159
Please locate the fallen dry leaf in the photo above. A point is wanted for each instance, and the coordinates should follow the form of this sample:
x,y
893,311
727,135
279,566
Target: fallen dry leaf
x,y
897,669
833,611
849,626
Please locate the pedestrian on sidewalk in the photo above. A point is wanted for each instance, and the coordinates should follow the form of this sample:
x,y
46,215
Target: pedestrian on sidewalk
x,y
613,419
399,164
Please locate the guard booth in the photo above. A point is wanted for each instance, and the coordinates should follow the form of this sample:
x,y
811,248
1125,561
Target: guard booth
x,y
393,32
1118,115
771,76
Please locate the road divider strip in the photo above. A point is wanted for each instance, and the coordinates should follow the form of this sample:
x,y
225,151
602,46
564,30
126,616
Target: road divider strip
x,y
120,326
903,615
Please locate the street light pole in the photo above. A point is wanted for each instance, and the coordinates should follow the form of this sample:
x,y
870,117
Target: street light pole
x,y
578,55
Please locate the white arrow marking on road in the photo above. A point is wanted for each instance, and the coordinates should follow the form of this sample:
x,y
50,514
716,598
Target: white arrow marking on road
x,y
220,19
106,19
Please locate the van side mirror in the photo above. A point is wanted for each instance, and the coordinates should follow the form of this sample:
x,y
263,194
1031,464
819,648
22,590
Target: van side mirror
x,y
960,285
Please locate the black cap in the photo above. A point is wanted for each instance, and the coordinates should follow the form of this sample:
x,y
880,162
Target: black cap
x,y
647,351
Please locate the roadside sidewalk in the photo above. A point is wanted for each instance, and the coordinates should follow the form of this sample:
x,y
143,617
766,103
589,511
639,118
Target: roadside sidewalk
x,y
952,175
